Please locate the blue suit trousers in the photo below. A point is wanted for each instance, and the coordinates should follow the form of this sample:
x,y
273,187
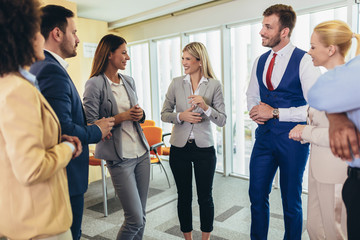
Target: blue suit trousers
x,y
272,151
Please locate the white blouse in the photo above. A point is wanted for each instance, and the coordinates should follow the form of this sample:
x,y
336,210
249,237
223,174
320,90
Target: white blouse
x,y
131,142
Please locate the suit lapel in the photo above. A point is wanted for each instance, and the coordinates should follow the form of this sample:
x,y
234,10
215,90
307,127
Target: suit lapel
x,y
129,92
202,88
187,92
110,96
74,91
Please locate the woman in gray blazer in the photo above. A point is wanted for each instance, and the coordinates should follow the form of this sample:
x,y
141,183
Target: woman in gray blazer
x,y
198,100
109,93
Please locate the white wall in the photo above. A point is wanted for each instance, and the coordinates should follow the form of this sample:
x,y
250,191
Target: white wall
x,y
232,12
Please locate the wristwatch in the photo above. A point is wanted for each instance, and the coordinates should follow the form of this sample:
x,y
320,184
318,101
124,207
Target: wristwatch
x,y
275,113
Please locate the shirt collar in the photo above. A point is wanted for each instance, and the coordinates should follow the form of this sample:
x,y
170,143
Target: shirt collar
x,y
285,50
27,75
62,62
112,83
187,79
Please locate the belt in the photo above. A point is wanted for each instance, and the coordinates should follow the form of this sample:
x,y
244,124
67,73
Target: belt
x,y
191,140
353,172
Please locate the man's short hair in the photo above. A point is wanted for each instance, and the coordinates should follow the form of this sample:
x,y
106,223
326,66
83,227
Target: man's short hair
x,y
286,14
54,16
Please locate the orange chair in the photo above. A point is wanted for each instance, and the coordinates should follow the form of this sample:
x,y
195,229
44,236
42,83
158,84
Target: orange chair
x,y
153,136
100,162
148,123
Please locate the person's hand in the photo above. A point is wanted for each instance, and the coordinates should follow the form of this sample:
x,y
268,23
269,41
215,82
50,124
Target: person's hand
x,y
344,137
136,113
189,116
198,101
261,113
295,133
75,141
105,124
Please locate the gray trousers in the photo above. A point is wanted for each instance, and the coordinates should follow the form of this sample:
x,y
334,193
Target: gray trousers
x,y
131,182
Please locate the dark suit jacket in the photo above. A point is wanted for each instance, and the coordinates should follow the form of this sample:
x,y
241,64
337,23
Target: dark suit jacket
x,y
59,90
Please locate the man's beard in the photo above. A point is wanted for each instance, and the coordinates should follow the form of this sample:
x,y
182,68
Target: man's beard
x,y
273,42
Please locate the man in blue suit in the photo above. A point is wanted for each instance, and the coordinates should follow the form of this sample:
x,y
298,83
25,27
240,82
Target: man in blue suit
x,y
276,100
59,30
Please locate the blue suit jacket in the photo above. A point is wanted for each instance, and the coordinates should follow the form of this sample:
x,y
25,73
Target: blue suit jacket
x,y
59,90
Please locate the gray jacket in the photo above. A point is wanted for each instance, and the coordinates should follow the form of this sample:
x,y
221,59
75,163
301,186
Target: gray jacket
x,y
100,102
177,97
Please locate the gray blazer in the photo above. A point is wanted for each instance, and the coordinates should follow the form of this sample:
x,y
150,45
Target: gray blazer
x,y
100,102
177,95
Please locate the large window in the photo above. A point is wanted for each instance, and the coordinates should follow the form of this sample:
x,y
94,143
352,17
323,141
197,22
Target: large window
x,y
169,67
212,42
139,70
244,52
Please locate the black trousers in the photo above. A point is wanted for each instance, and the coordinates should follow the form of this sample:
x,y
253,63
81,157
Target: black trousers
x,y
204,161
351,197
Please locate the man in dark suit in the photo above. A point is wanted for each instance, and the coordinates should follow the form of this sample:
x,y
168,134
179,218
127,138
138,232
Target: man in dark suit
x,y
58,28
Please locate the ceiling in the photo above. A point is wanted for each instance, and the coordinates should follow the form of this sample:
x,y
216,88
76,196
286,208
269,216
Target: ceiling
x,y
119,13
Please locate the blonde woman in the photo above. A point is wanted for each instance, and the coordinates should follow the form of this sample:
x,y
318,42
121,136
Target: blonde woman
x,y
198,100
330,42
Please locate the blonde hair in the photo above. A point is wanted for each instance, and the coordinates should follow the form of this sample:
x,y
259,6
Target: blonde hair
x,y
198,51
337,33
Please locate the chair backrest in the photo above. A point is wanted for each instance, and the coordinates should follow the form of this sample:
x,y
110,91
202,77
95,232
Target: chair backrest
x,y
153,135
148,123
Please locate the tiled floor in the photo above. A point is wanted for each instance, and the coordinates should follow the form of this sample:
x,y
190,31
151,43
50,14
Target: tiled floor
x,y
232,212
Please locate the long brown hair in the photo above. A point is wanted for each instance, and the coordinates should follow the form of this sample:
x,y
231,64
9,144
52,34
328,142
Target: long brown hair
x,y
109,43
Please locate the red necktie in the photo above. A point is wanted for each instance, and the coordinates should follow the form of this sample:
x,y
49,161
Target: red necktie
x,y
269,72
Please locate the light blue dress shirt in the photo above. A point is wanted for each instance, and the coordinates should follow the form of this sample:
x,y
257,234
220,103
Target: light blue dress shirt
x,y
338,91
30,77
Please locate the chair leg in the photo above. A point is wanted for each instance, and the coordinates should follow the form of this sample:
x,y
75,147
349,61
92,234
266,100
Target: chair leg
x,y
167,178
103,174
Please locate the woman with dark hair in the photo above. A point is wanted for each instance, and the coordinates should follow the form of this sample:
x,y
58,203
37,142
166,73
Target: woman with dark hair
x,y
109,93
34,196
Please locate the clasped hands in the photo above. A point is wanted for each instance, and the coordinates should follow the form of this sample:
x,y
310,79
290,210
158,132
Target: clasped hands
x,y
296,132
193,117
261,113
344,137
74,141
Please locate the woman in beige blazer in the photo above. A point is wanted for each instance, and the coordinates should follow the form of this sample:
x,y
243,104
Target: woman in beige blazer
x,y
34,197
326,218
198,100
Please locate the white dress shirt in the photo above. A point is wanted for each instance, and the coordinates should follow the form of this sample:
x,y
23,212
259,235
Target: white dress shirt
x,y
131,143
308,76
208,111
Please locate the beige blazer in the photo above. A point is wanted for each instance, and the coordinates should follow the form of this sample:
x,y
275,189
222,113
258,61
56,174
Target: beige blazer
x,y
326,168
177,98
34,197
